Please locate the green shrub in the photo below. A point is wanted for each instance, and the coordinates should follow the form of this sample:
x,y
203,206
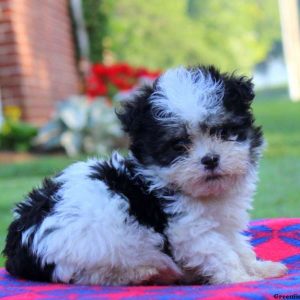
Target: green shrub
x,y
16,135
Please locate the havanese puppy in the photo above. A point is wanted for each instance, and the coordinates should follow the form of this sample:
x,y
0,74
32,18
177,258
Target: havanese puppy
x,y
173,211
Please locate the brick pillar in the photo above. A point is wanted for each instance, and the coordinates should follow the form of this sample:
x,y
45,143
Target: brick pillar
x,y
37,61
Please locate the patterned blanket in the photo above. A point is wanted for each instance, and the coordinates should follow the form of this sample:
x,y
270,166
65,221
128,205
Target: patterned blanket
x,y
274,239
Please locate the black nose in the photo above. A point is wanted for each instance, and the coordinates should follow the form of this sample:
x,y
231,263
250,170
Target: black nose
x,y
210,161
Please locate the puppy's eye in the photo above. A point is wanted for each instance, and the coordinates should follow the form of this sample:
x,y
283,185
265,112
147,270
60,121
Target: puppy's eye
x,y
224,134
213,131
237,136
233,138
219,132
180,145
241,136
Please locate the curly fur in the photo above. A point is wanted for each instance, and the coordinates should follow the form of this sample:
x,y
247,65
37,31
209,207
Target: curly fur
x,y
171,212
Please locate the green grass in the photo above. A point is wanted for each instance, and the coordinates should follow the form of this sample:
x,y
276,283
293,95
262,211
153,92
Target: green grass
x,y
17,179
278,191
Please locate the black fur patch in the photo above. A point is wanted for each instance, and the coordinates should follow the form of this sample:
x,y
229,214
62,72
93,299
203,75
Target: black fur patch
x,y
256,141
145,206
238,94
237,100
21,262
151,141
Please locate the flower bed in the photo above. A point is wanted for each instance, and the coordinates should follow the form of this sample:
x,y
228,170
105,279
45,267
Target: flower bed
x,y
81,124
107,81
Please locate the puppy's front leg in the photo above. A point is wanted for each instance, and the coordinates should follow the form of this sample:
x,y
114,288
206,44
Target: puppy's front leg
x,y
210,255
262,269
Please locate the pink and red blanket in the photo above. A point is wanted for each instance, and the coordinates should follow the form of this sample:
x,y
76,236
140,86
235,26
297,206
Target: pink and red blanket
x,y
273,239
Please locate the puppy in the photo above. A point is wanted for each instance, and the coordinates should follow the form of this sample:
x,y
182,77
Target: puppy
x,y
173,211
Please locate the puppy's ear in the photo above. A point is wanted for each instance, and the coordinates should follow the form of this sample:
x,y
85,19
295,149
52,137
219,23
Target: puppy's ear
x,y
241,87
239,92
132,110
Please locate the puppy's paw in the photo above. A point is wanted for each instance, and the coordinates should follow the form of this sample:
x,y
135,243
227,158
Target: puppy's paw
x,y
270,269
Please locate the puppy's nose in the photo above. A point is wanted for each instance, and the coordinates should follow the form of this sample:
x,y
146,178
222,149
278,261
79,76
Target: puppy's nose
x,y
210,161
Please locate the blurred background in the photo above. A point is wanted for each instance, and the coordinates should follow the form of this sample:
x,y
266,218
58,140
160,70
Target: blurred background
x,y
65,65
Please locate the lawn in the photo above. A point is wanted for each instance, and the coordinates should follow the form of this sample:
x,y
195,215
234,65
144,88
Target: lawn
x,y
279,186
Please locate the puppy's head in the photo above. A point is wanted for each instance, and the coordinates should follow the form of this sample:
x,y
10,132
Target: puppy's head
x,y
194,128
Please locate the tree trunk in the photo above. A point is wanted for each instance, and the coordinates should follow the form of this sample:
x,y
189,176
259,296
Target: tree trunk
x,y
290,27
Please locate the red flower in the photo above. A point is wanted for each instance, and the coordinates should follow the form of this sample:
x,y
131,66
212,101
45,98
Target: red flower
x,y
99,70
105,80
96,87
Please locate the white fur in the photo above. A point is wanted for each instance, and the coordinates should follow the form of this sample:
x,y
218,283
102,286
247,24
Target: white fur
x,y
206,237
89,240
189,174
92,239
190,95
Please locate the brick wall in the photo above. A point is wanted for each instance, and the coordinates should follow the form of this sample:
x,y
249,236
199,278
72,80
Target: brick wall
x,y
37,62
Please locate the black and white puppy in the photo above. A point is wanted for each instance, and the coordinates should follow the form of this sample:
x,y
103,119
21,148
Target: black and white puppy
x,y
173,211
